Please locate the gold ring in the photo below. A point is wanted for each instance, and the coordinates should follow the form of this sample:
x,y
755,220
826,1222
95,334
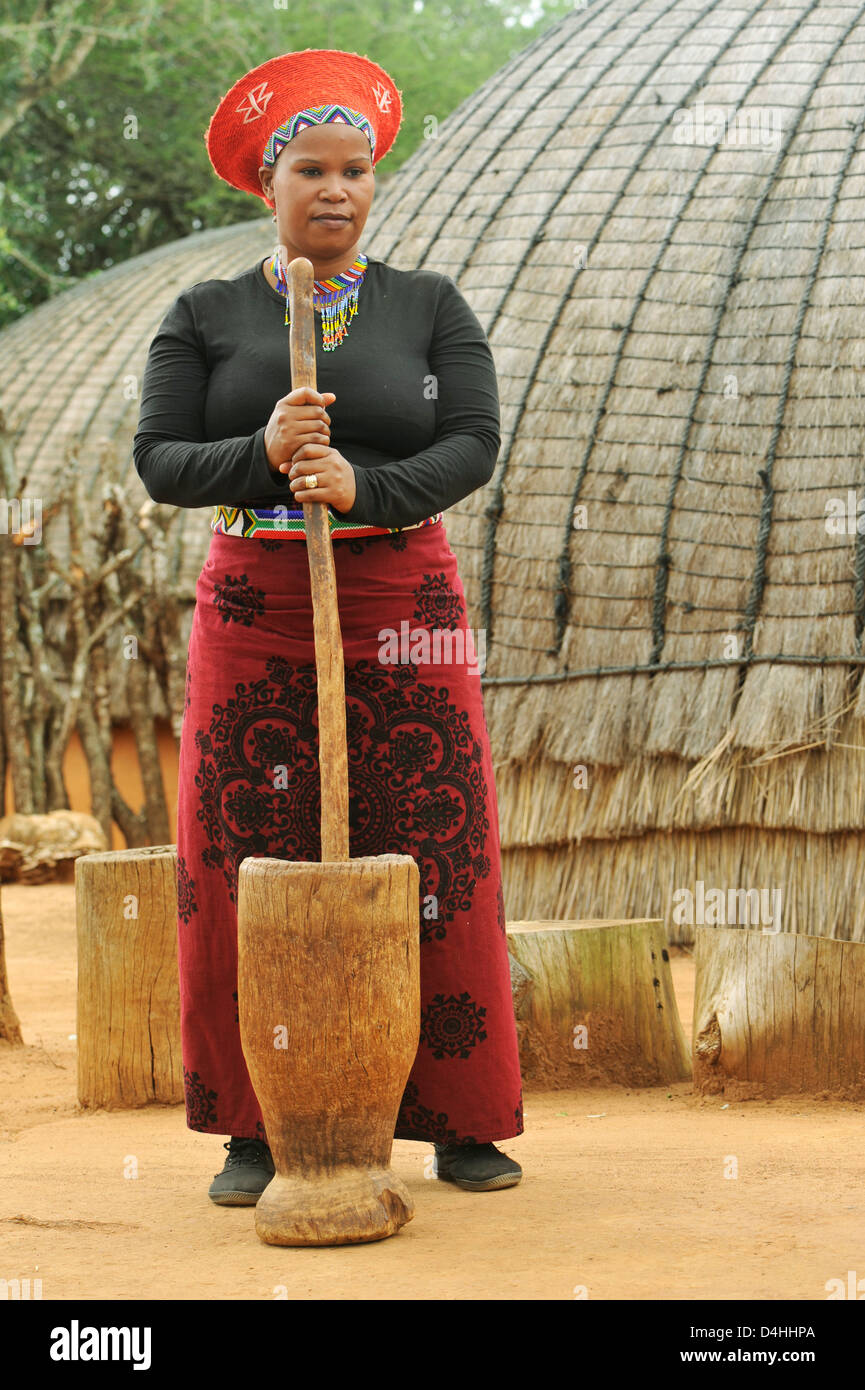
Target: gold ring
x,y
310,481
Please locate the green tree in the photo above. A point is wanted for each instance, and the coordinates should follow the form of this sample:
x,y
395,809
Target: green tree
x,y
104,106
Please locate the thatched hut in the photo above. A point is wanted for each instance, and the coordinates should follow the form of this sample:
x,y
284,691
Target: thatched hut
x,y
654,213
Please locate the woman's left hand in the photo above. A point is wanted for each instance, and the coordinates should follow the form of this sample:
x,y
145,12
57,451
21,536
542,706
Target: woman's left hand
x,y
335,475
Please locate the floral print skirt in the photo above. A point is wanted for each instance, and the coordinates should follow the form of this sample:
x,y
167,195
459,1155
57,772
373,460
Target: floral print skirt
x,y
420,783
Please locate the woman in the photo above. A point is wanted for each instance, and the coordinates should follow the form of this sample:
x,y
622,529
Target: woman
x,y
406,422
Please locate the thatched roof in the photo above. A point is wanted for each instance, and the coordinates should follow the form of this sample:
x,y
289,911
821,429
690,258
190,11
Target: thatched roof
x,y
677,329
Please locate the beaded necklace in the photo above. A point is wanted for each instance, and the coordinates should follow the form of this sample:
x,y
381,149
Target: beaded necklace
x,y
336,297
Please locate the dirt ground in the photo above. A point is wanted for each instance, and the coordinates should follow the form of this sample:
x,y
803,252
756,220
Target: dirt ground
x,y
624,1193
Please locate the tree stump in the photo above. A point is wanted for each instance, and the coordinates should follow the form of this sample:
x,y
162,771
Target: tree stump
x,y
602,1010
128,985
10,1028
778,1014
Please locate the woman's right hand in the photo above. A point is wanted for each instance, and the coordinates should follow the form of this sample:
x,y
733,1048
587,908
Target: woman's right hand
x,y
298,418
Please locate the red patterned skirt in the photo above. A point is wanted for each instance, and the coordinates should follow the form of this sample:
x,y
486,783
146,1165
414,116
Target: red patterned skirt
x,y
420,783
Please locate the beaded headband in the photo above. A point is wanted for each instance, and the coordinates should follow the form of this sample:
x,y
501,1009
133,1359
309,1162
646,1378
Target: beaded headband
x,y
314,115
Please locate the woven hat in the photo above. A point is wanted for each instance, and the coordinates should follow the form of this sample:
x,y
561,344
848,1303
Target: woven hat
x,y
275,91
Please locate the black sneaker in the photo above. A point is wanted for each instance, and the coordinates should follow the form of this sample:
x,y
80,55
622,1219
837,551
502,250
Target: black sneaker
x,y
248,1169
476,1167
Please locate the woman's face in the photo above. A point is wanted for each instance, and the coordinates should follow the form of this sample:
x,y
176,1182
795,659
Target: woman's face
x,y
324,169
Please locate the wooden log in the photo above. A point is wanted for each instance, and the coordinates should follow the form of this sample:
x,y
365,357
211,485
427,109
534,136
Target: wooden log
x,y
778,1013
329,1006
10,1028
128,986
602,1010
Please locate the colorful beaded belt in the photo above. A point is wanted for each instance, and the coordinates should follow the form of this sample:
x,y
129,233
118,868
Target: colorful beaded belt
x,y
287,525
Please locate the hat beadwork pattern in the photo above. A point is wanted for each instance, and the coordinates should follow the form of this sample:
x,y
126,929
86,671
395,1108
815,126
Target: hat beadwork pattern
x,y
271,94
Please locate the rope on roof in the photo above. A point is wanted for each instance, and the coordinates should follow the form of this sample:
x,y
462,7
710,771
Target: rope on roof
x,y
664,559
495,508
564,599
650,669
859,589
758,584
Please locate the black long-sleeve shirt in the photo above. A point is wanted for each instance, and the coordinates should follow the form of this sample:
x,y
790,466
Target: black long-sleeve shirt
x,y
416,412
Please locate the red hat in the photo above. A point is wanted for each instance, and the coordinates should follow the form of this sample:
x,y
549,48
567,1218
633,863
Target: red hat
x,y
275,91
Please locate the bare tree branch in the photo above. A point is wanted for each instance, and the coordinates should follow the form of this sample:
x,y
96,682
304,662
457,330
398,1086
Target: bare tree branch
x,y
76,27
